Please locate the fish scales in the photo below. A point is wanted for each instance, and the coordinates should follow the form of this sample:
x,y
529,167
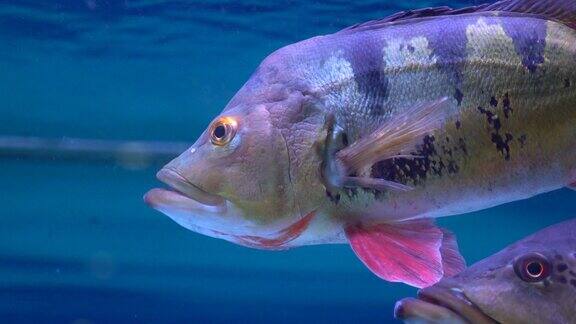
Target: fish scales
x,y
366,135
507,77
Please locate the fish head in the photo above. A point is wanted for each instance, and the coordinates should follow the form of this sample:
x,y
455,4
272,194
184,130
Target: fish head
x,y
237,182
532,281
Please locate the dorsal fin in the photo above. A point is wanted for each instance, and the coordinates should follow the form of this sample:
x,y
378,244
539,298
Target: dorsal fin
x,y
563,11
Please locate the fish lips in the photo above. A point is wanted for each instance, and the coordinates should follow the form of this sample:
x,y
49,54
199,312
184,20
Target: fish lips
x,y
439,304
181,193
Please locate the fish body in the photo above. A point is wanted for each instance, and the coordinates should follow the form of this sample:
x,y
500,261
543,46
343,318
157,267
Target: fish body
x,y
531,281
366,135
512,132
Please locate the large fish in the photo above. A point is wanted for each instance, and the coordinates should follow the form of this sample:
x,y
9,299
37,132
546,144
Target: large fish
x,y
366,135
531,281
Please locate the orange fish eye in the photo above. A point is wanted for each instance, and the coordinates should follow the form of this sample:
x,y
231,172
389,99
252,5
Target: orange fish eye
x,y
223,130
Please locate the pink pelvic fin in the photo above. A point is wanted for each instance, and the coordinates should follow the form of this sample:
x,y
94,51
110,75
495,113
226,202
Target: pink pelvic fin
x,y
414,252
572,186
452,262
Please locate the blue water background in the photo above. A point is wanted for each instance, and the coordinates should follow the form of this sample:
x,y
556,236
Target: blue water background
x,y
77,244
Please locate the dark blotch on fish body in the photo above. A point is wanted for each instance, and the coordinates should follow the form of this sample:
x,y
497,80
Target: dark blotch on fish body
x,y
562,267
507,106
459,96
502,142
491,118
448,48
493,102
522,139
566,83
415,171
367,65
409,170
529,39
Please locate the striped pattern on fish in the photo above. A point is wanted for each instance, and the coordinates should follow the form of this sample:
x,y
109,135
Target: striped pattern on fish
x,y
380,128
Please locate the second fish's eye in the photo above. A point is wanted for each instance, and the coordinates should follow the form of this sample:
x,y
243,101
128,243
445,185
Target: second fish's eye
x,y
223,130
532,267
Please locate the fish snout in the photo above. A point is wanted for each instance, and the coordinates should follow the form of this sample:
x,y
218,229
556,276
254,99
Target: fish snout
x,y
177,182
438,304
418,311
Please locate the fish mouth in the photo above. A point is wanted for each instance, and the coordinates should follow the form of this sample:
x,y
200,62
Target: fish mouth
x,y
438,304
180,189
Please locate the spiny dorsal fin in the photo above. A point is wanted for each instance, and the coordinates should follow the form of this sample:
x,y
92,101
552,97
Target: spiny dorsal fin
x,y
409,15
563,11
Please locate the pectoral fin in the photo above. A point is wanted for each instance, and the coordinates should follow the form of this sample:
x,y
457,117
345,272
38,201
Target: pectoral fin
x,y
413,252
374,183
396,137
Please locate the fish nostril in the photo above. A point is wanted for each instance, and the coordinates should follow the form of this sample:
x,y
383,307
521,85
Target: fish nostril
x,y
562,267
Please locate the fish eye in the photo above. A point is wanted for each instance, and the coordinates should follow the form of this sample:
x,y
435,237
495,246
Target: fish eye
x,y
223,130
532,267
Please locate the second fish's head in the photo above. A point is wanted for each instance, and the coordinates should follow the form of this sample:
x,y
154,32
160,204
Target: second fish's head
x,y
531,281
252,176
